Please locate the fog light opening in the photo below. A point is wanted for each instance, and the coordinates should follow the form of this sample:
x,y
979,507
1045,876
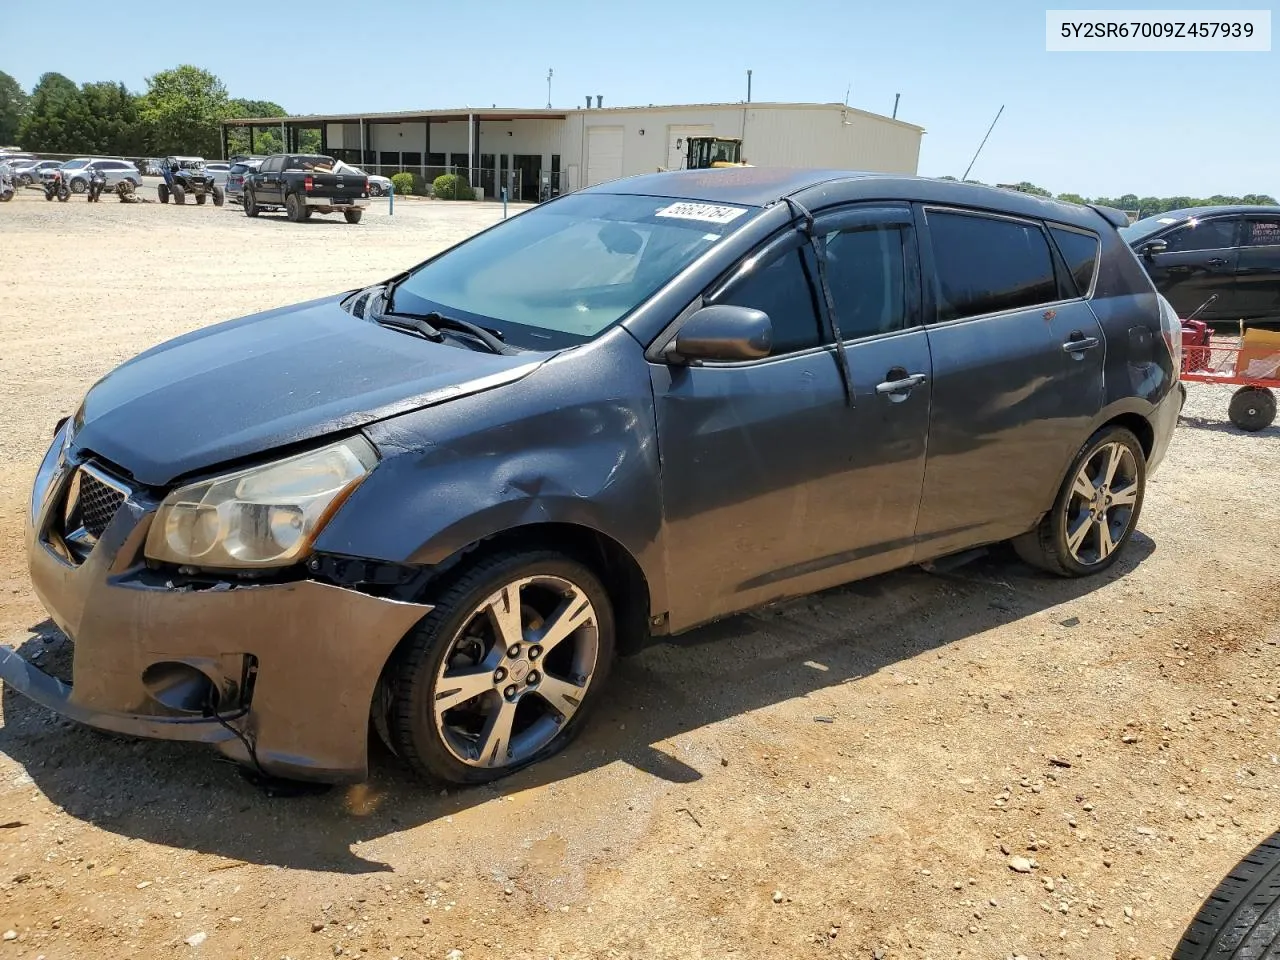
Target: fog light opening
x,y
180,687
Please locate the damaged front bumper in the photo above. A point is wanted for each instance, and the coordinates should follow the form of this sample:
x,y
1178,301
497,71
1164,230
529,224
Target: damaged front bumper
x,y
286,670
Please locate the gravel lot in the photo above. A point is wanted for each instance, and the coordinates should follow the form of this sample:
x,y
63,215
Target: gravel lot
x,y
845,776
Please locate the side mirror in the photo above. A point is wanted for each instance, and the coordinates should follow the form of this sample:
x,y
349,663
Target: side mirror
x,y
1152,247
722,333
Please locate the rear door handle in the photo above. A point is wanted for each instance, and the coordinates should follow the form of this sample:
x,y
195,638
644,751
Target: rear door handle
x,y
897,390
1080,344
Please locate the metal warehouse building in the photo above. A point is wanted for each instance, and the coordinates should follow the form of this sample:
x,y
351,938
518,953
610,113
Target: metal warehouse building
x,y
541,153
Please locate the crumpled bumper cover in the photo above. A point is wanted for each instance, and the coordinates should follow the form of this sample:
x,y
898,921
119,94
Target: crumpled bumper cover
x,y
319,651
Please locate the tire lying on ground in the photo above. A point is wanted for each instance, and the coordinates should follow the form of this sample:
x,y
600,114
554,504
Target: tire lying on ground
x,y
179,194
162,191
353,216
1241,918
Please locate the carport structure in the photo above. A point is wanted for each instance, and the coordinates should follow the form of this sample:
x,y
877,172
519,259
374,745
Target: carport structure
x,y
519,149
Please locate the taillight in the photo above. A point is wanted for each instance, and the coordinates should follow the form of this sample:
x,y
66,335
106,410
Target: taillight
x,y
306,184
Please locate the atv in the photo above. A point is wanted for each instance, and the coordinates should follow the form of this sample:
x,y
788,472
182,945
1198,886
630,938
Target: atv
x,y
185,176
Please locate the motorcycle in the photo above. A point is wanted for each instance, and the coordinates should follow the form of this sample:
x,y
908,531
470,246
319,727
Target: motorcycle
x,y
7,188
97,183
55,186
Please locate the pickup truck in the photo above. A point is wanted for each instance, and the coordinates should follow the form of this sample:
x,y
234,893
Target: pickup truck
x,y
303,184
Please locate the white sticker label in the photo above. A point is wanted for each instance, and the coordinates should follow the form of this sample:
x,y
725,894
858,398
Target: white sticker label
x,y
705,212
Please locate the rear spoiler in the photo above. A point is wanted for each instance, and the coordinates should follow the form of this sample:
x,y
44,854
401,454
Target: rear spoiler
x,y
1116,218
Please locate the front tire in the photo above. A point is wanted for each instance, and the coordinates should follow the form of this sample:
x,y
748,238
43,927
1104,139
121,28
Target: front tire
x,y
1096,510
1237,921
375,190
1252,408
78,186
504,670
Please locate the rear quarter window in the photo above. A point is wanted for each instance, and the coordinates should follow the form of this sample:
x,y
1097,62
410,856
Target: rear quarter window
x,y
1080,253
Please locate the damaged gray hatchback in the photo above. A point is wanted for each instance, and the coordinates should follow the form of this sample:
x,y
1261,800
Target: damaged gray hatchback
x,y
442,504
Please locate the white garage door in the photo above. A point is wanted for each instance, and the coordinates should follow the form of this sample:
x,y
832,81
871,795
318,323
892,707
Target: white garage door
x,y
677,134
604,154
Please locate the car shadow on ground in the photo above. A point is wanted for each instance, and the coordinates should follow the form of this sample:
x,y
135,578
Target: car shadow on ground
x,y
185,796
1226,426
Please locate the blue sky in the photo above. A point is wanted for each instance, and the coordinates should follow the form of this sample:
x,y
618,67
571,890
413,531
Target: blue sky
x,y
1153,123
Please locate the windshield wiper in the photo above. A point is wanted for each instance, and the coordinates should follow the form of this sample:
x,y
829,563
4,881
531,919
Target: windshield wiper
x,y
488,338
409,325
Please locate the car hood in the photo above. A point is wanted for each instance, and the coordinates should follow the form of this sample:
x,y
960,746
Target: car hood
x,y
245,387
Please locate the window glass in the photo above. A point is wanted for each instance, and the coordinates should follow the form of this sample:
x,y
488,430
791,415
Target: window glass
x,y
1080,251
1202,235
782,288
562,273
311,164
984,265
1262,232
867,276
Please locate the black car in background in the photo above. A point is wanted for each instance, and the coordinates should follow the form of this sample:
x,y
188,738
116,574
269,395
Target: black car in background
x,y
1230,252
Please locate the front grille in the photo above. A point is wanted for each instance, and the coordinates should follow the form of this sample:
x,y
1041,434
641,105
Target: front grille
x,y
98,503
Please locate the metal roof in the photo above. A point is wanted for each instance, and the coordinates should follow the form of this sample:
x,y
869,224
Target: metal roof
x,y
536,113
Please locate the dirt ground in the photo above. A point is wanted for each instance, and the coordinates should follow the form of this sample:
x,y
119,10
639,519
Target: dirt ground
x,y
846,776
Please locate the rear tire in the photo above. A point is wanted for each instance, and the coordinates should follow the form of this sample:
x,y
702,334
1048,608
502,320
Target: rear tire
x,y
78,186
544,695
1237,921
1252,408
294,208
375,190
353,216
162,191
250,204
1096,510
219,196
179,194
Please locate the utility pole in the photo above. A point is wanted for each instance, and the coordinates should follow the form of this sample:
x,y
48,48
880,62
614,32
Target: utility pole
x,y
895,105
748,86
550,74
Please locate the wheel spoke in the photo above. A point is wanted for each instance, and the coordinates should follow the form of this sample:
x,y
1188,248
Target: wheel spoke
x,y
504,608
1105,543
495,738
455,688
1075,538
1125,497
1115,453
575,611
563,696
1083,487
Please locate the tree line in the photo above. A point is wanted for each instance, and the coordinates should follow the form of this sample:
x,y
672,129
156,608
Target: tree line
x,y
180,112
1143,206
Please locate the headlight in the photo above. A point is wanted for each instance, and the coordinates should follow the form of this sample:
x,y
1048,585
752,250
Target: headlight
x,y
262,517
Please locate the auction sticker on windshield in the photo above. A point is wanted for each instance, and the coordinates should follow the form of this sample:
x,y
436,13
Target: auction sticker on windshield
x,y
704,212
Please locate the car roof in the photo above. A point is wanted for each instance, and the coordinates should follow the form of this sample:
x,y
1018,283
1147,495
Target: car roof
x,y
1188,212
762,186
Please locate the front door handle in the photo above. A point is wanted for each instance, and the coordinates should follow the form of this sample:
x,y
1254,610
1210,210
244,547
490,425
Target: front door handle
x,y
899,389
1216,262
1078,344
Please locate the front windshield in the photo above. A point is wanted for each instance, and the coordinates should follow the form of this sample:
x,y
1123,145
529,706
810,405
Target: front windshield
x,y
1150,225
561,274
191,164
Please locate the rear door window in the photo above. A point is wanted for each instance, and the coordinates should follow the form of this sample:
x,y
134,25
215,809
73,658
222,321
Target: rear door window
x,y
1080,253
866,271
1261,231
985,264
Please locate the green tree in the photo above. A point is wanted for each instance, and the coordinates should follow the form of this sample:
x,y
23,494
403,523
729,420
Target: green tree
x,y
182,109
1071,198
1031,188
56,117
113,124
13,107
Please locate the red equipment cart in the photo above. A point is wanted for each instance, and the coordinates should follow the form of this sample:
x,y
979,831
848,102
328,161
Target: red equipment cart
x,y
1250,362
